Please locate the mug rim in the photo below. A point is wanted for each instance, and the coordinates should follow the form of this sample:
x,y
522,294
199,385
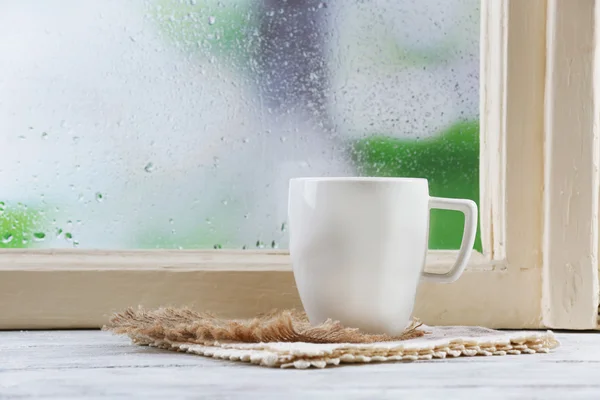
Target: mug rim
x,y
358,179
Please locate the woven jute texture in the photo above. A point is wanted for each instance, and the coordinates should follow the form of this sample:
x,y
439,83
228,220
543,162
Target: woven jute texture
x,y
286,339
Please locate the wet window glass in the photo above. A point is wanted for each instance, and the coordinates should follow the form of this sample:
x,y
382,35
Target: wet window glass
x,y
177,124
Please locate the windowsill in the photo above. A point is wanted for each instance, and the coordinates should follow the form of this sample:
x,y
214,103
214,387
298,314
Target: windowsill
x,y
80,289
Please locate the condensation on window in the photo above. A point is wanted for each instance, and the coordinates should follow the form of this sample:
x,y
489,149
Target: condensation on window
x,y
177,124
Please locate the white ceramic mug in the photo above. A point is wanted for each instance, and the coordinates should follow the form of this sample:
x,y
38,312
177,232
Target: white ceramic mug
x,y
358,247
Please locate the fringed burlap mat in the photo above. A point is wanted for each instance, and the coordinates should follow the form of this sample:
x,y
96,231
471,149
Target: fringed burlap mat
x,y
286,339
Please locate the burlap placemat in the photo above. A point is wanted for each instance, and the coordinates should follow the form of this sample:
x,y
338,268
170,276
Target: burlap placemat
x,y
286,339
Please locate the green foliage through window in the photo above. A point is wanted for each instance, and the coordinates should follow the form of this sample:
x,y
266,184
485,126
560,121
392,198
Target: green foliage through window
x,y
450,161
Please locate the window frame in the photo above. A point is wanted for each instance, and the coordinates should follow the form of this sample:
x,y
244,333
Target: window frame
x,y
539,268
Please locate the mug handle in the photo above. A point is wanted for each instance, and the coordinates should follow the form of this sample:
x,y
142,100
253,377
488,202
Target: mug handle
x,y
469,208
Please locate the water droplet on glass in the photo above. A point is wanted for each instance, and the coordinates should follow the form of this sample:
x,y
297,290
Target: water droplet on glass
x,y
211,20
39,236
22,137
217,246
283,227
7,238
273,245
149,167
99,197
246,140
68,236
59,232
75,243
44,135
282,139
171,221
224,202
260,244
193,2
246,216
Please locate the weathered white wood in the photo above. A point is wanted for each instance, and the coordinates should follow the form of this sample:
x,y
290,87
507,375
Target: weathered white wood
x,y
496,299
136,260
596,79
492,109
523,162
438,261
572,179
93,364
513,38
79,292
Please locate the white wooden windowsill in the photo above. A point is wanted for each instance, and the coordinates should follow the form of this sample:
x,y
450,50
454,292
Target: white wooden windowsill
x,y
80,289
438,261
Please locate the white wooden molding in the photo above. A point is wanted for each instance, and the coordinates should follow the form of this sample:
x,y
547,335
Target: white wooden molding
x,y
513,38
523,135
492,110
80,289
596,80
571,169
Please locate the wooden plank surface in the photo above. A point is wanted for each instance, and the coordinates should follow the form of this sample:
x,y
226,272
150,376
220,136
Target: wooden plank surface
x,y
97,365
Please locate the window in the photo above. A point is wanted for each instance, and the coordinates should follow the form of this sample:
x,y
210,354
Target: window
x,y
132,125
129,131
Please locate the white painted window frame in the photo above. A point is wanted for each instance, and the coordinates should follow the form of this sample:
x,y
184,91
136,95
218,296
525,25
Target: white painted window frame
x,y
539,209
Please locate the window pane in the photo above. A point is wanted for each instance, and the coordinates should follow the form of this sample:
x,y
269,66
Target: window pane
x,y
177,124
